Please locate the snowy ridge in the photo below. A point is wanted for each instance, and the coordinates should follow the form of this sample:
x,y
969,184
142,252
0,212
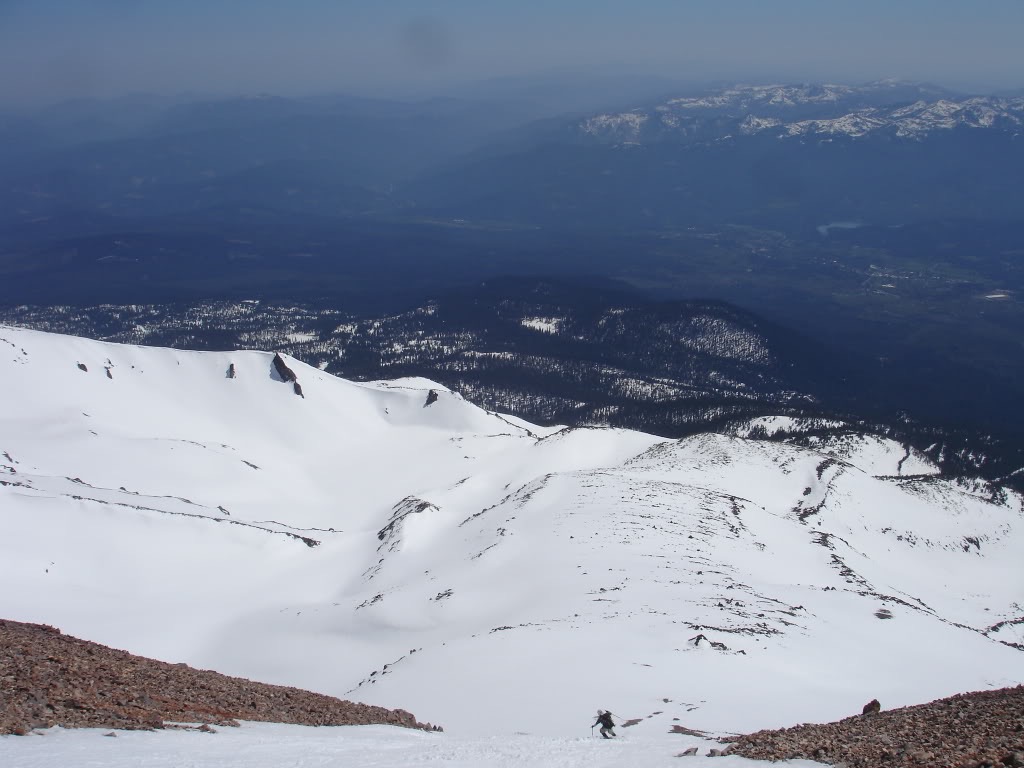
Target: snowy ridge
x,y
919,118
487,574
749,97
809,110
875,455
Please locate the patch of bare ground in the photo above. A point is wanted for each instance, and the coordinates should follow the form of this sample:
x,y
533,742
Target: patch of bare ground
x,y
969,730
48,679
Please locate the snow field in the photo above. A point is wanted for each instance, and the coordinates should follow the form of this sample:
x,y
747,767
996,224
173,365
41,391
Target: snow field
x,y
486,574
268,745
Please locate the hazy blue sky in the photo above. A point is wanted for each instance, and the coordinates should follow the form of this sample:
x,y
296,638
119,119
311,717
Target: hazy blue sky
x,y
53,49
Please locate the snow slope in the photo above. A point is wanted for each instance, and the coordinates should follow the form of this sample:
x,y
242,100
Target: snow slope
x,y
394,544
268,745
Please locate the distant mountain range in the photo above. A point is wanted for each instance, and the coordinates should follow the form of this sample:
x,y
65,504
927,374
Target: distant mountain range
x,y
809,111
918,151
789,157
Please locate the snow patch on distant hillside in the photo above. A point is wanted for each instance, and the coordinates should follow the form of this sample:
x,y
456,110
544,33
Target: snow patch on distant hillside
x,y
543,324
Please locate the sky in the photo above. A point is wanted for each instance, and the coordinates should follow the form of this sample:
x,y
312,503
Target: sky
x,y
57,49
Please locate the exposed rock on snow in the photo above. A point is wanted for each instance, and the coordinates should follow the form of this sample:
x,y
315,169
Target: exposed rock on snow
x,y
48,678
286,374
390,534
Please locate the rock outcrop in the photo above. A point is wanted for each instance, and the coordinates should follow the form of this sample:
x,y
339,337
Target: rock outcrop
x,y
287,374
48,679
970,730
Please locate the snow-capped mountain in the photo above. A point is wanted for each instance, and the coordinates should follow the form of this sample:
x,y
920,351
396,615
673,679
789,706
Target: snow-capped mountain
x,y
392,543
786,111
777,158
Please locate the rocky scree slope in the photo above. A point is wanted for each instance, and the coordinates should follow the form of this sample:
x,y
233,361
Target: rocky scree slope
x,y
49,679
969,730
